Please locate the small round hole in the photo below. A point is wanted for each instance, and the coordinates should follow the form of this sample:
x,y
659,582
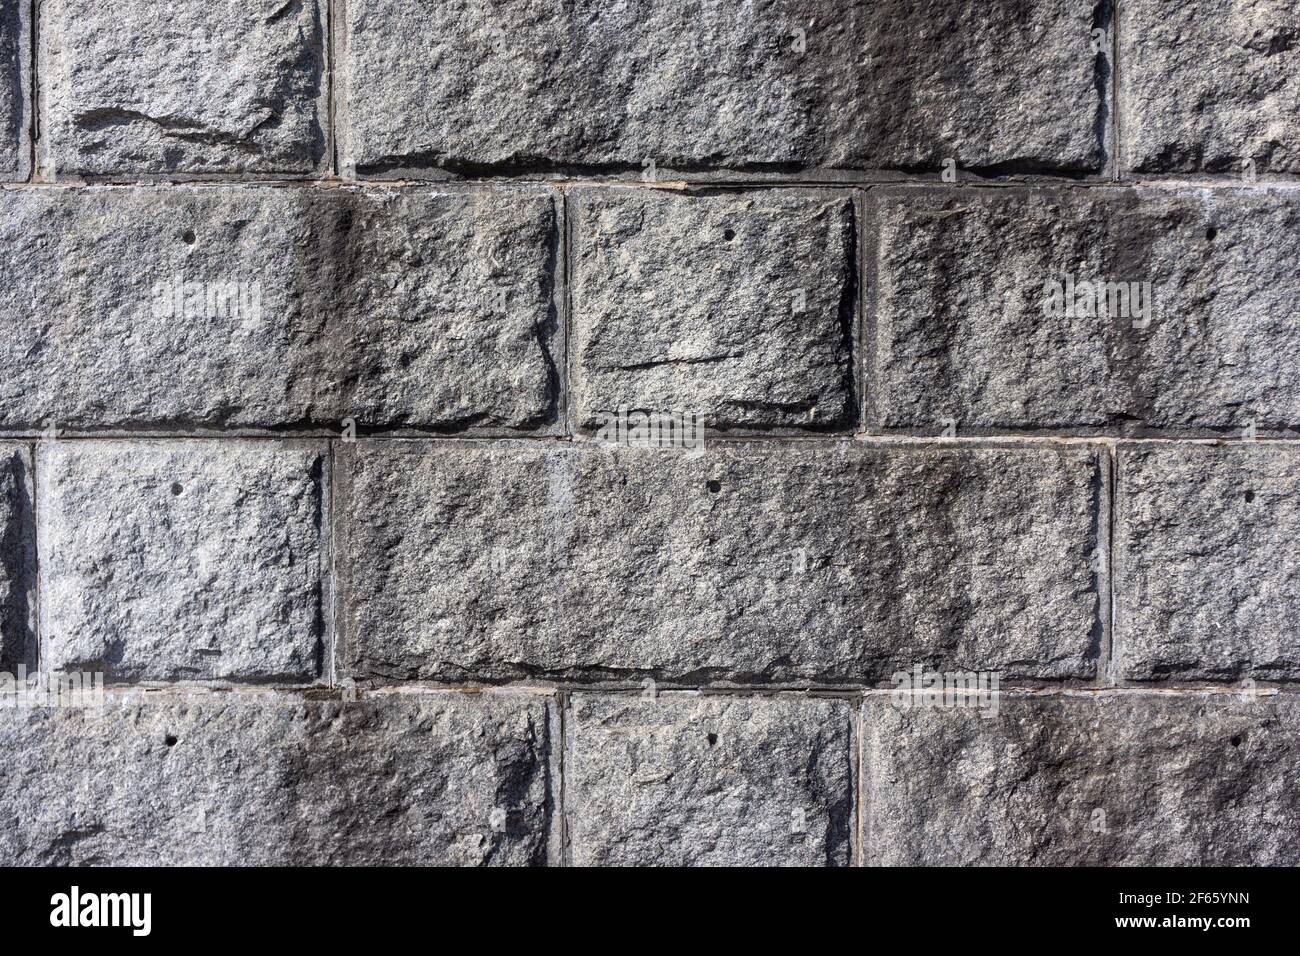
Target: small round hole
x,y
1250,496
728,234
1236,741
177,487
713,739
1211,233
188,237
715,487
170,741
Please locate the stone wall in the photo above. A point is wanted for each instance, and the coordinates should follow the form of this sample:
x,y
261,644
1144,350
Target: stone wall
x,y
664,432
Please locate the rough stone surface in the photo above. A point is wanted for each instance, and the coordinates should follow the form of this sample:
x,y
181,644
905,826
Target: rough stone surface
x,y
185,87
1209,86
688,781
284,425
836,562
962,332
251,780
741,309
393,307
1106,780
17,561
466,85
182,559
1208,562
15,88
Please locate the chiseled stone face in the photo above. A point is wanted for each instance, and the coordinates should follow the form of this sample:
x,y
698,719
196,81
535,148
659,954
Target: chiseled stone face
x,y
1211,86
269,779
1207,542
680,780
748,562
185,87
740,309
15,90
1092,779
17,561
175,560
187,307
699,370
1111,310
771,86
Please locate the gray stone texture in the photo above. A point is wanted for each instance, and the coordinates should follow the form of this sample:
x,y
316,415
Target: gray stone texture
x,y
17,561
468,85
304,457
15,90
754,563
184,87
1208,562
176,560
696,781
1098,780
398,308
740,308
1210,85
253,780
958,286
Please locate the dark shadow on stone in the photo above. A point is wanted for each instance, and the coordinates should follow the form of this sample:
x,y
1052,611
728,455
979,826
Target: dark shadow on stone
x,y
17,566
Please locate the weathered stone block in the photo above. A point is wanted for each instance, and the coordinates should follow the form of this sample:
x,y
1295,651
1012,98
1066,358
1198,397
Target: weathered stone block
x,y
253,779
992,308
188,87
173,560
771,86
1087,780
741,309
1211,86
681,780
260,307
17,561
15,90
1208,562
751,562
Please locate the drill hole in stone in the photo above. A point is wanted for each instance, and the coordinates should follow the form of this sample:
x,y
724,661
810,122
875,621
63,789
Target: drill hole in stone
x,y
715,487
1236,741
170,740
177,487
1250,496
728,234
188,237
713,740
1211,233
